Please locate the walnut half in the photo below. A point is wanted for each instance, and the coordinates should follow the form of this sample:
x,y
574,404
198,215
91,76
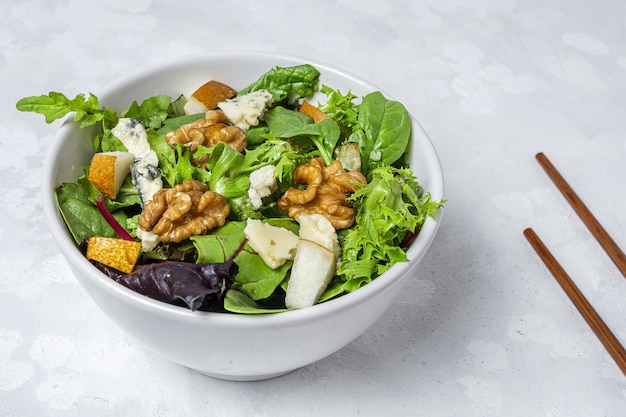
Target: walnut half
x,y
187,209
327,188
209,131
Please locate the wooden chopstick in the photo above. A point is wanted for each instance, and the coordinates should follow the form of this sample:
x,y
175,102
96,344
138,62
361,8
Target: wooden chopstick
x,y
596,229
593,319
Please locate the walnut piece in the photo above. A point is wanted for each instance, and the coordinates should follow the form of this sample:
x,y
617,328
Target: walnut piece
x,y
327,188
187,209
209,131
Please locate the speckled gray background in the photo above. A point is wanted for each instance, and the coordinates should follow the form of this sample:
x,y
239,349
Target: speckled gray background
x,y
482,330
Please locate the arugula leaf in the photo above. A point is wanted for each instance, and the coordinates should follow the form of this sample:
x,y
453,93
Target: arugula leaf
x,y
56,105
108,142
177,107
152,112
287,82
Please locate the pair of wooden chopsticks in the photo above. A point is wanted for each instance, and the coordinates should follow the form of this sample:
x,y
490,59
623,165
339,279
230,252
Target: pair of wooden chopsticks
x,y
593,319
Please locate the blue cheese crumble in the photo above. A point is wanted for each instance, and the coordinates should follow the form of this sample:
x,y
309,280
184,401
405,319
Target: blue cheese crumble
x,y
144,170
246,111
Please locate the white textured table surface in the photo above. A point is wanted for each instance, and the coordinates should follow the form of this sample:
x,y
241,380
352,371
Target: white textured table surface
x,y
482,330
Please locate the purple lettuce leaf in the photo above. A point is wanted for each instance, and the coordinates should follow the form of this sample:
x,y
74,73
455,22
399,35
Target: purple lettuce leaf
x,y
195,286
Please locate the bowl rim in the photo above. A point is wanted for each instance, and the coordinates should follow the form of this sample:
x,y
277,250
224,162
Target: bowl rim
x,y
346,301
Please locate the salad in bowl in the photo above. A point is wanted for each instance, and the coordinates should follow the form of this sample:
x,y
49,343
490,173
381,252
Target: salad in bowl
x,y
254,200
242,214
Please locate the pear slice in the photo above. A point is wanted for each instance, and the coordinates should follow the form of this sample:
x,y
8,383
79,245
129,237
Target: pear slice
x,y
318,229
315,262
117,253
316,114
108,170
313,268
207,96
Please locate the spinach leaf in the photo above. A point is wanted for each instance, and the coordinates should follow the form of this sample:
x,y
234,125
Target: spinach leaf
x,y
81,215
256,135
284,123
238,302
257,280
127,195
78,208
383,133
287,82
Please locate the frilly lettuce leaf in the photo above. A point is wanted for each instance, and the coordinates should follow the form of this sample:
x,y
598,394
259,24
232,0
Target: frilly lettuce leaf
x,y
388,208
341,109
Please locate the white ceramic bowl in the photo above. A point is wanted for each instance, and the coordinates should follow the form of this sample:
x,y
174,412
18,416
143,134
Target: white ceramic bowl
x,y
229,346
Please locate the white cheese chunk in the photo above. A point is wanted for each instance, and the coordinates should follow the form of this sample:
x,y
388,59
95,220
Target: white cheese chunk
x,y
149,239
246,111
275,245
262,184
